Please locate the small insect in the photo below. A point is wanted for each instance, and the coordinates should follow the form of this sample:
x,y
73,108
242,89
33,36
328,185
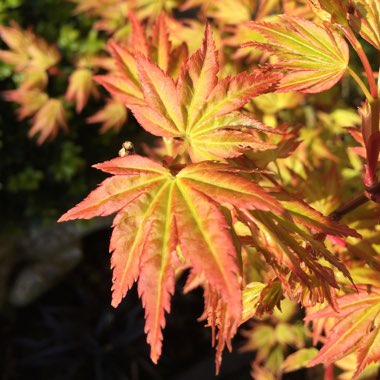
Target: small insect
x,y
127,148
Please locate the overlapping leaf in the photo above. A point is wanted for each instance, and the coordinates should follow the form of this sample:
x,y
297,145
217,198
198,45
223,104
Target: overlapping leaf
x,y
124,83
314,58
159,211
27,51
357,327
331,10
224,11
48,119
293,250
366,20
81,86
112,116
198,108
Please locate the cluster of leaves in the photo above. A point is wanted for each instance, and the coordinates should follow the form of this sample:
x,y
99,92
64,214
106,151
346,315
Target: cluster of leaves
x,y
245,186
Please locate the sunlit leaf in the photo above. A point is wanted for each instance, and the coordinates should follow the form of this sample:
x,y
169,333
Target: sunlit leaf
x,y
314,58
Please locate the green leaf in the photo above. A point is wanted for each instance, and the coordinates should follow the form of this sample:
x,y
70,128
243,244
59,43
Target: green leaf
x,y
299,359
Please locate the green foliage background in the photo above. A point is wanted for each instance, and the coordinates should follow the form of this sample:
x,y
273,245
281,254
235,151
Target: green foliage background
x,y
38,183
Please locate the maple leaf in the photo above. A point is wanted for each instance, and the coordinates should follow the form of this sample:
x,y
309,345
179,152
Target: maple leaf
x,y
357,327
48,119
30,101
80,87
366,20
266,8
112,116
298,8
124,82
223,11
111,14
152,8
331,10
199,108
314,58
298,359
28,52
188,31
292,250
160,212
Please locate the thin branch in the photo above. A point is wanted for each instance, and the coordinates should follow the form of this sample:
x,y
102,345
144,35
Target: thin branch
x,y
363,58
329,372
351,205
360,83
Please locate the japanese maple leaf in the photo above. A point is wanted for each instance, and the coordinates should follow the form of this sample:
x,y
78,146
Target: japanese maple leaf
x,y
312,57
223,11
110,14
161,214
357,328
27,51
199,108
81,86
366,20
152,8
112,116
124,83
334,11
292,250
30,101
48,119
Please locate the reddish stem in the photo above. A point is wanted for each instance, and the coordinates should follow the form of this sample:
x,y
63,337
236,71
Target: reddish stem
x,y
351,205
364,59
329,372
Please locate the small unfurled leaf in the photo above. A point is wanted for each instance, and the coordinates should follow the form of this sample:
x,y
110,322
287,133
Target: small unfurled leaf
x,y
159,214
81,86
357,326
112,116
30,101
49,118
313,58
27,50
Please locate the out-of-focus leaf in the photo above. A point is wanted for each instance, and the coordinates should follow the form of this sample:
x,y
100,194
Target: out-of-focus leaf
x,y
47,121
299,359
112,116
366,20
81,86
